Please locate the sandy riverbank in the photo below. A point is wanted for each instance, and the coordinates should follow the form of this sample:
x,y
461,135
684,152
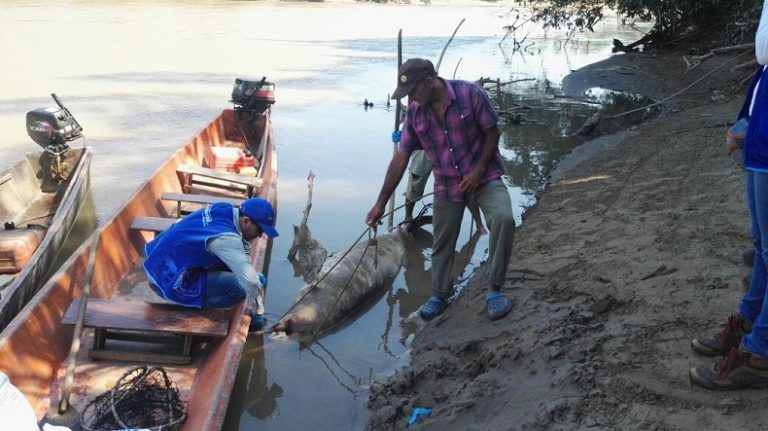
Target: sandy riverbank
x,y
633,249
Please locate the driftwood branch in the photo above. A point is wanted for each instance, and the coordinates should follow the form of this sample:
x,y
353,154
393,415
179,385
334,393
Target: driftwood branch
x,y
578,99
748,65
694,61
310,186
618,46
483,81
512,28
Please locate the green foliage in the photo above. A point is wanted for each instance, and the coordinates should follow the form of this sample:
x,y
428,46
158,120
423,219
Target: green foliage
x,y
673,18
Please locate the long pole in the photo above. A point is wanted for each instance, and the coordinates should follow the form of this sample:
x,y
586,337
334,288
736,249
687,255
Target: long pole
x,y
390,219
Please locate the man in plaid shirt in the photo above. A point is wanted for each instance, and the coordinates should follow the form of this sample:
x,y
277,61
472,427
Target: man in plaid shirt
x,y
455,124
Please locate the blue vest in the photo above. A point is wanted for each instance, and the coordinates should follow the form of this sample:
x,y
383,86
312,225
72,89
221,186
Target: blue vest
x,y
177,259
756,141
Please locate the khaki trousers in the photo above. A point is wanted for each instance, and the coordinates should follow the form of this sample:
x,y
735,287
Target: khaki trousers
x,y
496,206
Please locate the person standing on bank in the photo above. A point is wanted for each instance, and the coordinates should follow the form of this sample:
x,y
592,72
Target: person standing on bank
x,y
455,124
744,338
204,259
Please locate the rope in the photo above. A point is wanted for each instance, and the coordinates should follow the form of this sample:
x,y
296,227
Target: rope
x,y
680,91
138,400
368,230
341,293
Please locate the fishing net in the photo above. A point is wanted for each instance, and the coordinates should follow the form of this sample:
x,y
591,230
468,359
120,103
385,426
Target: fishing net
x,y
143,398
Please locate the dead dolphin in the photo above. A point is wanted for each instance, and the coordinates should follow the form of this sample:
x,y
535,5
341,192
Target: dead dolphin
x,y
345,283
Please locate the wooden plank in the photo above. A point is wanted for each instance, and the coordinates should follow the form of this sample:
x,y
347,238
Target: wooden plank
x,y
253,182
148,317
154,224
222,189
199,198
188,202
134,356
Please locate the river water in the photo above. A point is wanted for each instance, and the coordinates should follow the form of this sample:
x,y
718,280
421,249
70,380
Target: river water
x,y
144,76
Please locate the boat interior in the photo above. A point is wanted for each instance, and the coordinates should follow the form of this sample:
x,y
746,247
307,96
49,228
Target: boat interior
x,y
29,198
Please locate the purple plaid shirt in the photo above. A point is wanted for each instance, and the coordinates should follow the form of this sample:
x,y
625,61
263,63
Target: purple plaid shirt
x,y
454,147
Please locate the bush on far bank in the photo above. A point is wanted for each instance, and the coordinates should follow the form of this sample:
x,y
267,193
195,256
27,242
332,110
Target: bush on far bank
x,y
704,23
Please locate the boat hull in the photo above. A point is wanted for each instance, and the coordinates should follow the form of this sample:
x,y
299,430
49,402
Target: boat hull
x,y
37,368
59,204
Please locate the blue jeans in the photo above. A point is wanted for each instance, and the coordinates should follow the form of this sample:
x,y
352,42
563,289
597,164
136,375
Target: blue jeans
x,y
222,289
753,306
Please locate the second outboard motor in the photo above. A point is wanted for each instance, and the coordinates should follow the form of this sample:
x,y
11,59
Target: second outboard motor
x,y
53,129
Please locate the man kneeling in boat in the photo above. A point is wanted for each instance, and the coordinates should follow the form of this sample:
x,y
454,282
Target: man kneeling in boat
x,y
204,259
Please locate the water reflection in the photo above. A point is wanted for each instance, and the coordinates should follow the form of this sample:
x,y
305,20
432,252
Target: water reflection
x,y
252,391
337,371
418,280
546,130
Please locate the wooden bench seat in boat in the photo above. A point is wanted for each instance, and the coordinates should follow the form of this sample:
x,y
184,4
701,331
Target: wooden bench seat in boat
x,y
163,325
193,198
152,224
198,178
17,247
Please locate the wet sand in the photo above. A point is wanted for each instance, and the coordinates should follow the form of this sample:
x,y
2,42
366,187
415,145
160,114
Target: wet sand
x,y
633,249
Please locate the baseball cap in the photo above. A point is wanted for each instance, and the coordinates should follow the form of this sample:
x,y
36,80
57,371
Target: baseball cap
x,y
412,72
261,212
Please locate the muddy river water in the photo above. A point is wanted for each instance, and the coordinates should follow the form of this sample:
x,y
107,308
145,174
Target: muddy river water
x,y
142,77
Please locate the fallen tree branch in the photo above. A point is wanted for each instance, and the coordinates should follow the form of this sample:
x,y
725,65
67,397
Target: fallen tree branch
x,y
483,81
696,60
618,46
578,99
750,64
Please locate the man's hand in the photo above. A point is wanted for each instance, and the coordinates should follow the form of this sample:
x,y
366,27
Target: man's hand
x,y
374,215
471,182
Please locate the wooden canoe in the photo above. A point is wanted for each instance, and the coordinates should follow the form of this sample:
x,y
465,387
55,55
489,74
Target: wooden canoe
x,y
34,347
42,212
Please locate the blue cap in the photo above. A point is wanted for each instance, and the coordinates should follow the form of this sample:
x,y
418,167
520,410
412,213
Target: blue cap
x,y
261,212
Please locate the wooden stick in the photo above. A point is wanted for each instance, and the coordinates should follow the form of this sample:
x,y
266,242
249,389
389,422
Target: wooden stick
x,y
301,232
69,377
310,185
483,81
440,60
390,219
751,63
731,48
695,60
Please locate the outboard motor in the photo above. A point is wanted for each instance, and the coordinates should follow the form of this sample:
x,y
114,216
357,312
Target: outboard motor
x,y
255,96
252,99
53,129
